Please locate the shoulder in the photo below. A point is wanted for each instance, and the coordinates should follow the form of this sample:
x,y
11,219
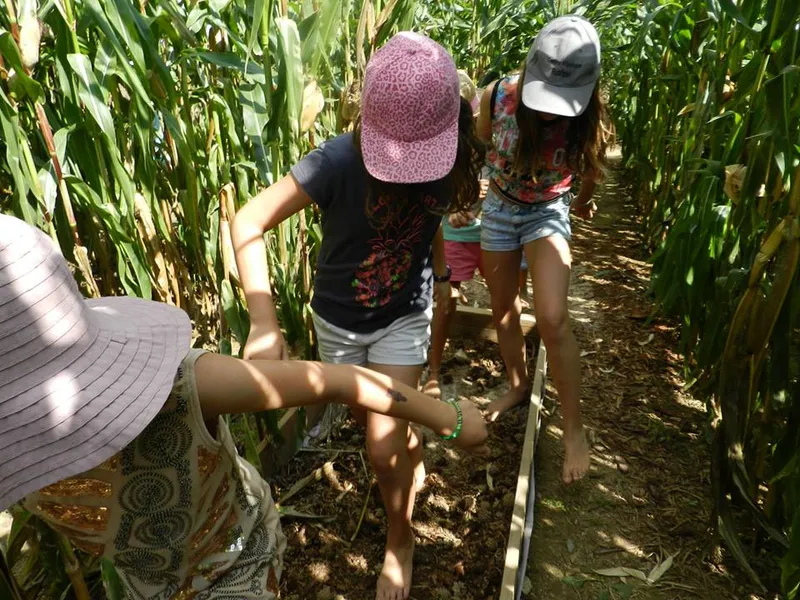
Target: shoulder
x,y
340,152
507,87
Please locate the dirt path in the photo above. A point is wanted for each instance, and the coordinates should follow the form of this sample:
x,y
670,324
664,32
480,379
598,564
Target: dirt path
x,y
647,496
645,499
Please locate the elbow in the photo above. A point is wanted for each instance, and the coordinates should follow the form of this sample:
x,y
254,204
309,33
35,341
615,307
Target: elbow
x,y
244,228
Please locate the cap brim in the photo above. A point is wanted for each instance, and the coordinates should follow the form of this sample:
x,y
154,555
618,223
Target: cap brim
x,y
564,101
105,397
419,161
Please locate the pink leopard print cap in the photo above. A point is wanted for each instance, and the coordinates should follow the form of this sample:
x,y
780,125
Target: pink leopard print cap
x,y
410,106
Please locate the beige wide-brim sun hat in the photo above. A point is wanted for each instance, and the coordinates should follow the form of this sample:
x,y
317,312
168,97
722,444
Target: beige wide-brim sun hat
x,y
79,379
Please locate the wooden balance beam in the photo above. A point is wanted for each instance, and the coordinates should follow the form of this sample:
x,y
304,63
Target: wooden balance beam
x,y
522,518
477,323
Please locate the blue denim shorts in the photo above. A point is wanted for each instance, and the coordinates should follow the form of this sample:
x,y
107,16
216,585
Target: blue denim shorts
x,y
506,227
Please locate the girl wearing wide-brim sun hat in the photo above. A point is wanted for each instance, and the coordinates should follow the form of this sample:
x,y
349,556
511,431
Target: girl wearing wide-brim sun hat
x,y
111,430
546,127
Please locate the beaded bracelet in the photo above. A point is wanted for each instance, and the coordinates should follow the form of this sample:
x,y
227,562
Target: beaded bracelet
x,y
459,421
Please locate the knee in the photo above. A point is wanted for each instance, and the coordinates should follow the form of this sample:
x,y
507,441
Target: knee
x,y
553,325
384,454
505,310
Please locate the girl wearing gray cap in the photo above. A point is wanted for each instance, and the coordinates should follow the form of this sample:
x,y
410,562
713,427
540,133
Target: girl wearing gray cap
x,y
545,127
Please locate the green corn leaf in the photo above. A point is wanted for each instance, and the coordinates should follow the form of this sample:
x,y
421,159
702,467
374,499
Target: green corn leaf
x,y
149,45
178,20
124,26
111,580
96,13
253,71
259,6
256,117
733,12
49,186
9,122
10,53
292,67
319,42
90,94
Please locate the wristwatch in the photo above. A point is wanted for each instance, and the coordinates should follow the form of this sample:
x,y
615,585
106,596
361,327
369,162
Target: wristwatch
x,y
443,278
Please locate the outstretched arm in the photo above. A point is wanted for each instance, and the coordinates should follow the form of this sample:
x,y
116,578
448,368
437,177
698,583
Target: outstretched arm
x,y
229,385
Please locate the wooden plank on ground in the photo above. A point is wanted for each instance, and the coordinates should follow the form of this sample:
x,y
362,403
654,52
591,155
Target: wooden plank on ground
x,y
517,527
472,323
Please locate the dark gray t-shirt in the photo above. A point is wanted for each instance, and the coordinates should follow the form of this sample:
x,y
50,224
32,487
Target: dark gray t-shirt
x,y
372,269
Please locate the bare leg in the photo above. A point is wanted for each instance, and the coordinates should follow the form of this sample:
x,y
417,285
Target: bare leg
x,y
440,329
523,288
501,270
550,262
395,451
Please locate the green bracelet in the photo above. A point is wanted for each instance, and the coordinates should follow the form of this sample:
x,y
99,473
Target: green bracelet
x,y
459,422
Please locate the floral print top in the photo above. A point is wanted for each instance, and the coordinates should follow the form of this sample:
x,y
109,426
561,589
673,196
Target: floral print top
x,y
547,183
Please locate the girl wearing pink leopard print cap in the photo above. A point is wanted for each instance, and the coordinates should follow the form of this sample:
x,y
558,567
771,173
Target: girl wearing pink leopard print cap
x,y
382,191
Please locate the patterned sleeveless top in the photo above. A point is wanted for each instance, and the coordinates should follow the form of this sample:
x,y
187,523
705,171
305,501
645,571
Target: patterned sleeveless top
x,y
177,511
542,185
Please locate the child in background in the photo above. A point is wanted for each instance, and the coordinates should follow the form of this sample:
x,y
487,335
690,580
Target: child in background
x,y
382,191
111,430
462,249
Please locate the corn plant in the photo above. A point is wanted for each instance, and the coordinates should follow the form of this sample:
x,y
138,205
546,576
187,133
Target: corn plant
x,y
711,123
133,131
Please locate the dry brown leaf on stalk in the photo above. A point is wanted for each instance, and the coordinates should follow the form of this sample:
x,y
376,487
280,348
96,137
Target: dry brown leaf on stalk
x,y
30,36
313,103
146,226
734,179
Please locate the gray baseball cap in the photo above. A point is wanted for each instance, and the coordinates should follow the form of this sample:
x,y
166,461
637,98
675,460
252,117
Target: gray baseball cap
x,y
562,67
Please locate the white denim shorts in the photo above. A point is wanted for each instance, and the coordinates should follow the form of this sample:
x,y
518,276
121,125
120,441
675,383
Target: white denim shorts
x,y
403,343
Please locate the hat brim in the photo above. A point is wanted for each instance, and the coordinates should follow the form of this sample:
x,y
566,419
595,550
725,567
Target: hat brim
x,y
563,101
396,161
84,408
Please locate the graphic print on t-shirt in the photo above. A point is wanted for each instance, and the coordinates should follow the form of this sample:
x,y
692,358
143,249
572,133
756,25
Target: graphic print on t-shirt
x,y
386,268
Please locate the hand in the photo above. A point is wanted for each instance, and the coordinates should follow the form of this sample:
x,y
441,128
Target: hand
x,y
442,292
265,342
462,219
587,210
484,189
473,434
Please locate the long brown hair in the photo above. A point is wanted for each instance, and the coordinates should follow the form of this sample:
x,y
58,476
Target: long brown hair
x,y
588,137
461,185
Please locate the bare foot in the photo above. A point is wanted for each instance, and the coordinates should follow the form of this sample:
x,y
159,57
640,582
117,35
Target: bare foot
x,y
576,456
432,387
394,582
507,401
